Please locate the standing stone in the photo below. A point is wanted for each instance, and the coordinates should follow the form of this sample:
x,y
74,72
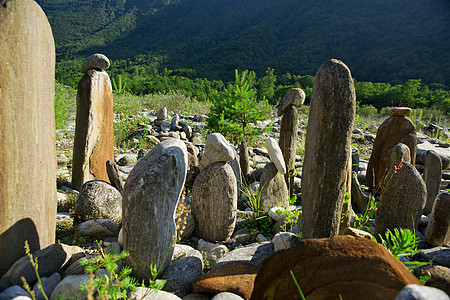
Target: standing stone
x,y
288,143
403,196
27,131
94,135
113,175
294,97
237,173
244,160
162,114
398,128
438,230
432,177
150,198
274,191
326,169
214,203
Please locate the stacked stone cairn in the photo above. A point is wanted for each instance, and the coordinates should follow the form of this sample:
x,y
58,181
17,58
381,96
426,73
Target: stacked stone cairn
x,y
288,132
94,134
27,135
214,193
326,174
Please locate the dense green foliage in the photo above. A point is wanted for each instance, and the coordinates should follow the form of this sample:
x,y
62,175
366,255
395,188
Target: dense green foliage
x,y
381,41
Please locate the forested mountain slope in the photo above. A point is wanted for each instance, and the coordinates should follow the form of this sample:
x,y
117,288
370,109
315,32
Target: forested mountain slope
x,y
380,40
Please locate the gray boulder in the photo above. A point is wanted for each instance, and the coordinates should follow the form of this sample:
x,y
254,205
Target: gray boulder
x,y
100,199
438,229
15,292
217,149
274,191
419,292
99,228
252,253
95,61
69,288
148,294
48,284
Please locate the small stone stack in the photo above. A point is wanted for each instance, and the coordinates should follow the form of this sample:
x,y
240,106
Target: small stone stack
x,y
288,132
398,128
27,135
326,176
403,195
94,134
214,194
150,197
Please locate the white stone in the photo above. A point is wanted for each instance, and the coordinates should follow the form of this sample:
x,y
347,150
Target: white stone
x,y
275,154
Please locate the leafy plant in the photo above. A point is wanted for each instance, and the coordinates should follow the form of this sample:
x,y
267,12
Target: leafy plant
x,y
290,218
120,87
362,220
235,111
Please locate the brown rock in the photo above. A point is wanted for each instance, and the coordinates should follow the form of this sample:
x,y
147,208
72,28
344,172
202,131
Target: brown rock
x,y
326,176
345,266
27,131
235,277
357,233
439,276
394,130
401,111
94,135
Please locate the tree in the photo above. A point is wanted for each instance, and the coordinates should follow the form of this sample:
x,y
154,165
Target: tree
x,y
235,111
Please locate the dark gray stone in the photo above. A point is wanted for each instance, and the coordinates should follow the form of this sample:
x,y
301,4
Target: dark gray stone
x,y
432,176
438,229
113,175
252,253
274,191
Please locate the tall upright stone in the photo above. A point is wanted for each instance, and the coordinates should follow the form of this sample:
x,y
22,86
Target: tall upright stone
x,y
432,176
403,195
150,198
94,134
288,131
274,191
398,128
27,131
244,160
326,170
438,229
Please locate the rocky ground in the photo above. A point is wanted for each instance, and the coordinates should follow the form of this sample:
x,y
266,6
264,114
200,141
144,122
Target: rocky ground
x,y
198,269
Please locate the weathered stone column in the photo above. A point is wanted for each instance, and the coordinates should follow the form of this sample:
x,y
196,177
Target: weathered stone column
x,y
288,131
432,177
27,131
150,197
94,134
325,178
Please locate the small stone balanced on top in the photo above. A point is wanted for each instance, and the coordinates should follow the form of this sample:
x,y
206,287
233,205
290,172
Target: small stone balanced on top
x,y
274,191
214,193
288,132
398,128
94,135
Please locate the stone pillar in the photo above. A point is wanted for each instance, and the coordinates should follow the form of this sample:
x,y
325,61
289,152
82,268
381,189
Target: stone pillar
x,y
150,197
438,230
398,128
432,177
325,177
288,131
94,134
27,131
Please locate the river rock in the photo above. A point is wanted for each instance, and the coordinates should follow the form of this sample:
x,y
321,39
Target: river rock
x,y
326,175
69,288
425,146
214,202
295,97
420,292
95,61
275,154
274,191
150,198
252,253
98,199
217,149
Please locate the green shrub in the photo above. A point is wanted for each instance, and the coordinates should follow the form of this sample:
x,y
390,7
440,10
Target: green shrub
x,y
366,110
235,111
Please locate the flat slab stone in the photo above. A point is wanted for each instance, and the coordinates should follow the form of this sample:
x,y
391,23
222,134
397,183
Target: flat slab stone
x,y
401,111
421,153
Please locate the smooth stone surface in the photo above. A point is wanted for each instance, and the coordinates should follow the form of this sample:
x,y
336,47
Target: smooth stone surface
x,y
438,229
14,292
439,256
226,296
252,253
274,191
213,252
48,284
95,61
69,288
214,203
98,229
98,199
217,149
150,198
439,276
94,133
284,240
326,175
113,175
148,294
27,136
275,154
432,177
444,153
420,292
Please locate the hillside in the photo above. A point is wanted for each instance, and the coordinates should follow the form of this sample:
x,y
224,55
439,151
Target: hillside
x,y
381,41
